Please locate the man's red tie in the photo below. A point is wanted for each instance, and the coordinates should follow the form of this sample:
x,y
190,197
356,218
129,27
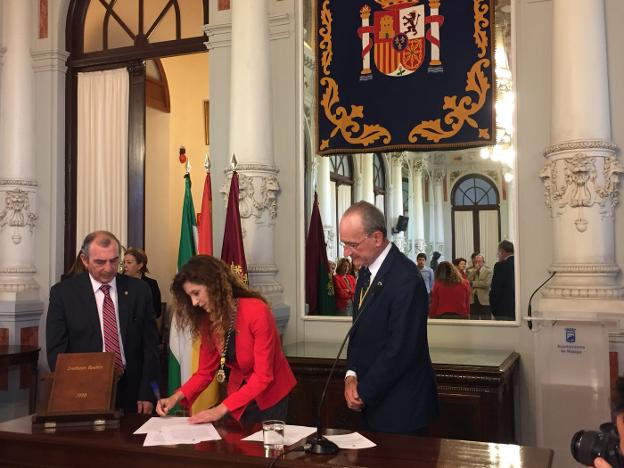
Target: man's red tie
x,y
111,334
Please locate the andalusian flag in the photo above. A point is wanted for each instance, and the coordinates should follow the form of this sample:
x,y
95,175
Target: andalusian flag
x,y
184,351
319,284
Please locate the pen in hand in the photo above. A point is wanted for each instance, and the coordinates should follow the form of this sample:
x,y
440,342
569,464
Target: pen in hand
x,y
156,390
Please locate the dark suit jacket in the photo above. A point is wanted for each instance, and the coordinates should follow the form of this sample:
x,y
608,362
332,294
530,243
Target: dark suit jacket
x,y
388,350
73,326
503,290
156,299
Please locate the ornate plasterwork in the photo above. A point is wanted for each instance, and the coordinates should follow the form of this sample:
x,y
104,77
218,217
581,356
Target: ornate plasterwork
x,y
580,182
257,192
580,145
16,213
438,175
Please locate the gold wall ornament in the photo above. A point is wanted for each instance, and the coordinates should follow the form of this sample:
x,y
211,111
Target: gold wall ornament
x,y
345,122
460,112
325,31
480,35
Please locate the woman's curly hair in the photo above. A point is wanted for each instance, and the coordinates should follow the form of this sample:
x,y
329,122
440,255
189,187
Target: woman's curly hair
x,y
224,287
447,273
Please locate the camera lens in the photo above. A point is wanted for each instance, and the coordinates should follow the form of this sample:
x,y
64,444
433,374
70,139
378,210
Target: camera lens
x,y
587,445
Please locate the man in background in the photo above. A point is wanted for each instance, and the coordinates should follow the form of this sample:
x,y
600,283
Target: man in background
x,y
425,271
480,278
390,378
100,310
503,288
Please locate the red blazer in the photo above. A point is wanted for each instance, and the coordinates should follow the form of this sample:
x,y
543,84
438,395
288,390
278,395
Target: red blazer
x,y
260,362
450,298
344,289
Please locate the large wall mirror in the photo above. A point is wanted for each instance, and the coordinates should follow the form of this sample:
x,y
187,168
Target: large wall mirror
x,y
456,203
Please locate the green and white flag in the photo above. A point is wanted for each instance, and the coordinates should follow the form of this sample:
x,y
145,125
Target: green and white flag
x,y
183,351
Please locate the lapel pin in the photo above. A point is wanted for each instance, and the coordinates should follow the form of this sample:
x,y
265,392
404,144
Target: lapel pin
x,y
125,293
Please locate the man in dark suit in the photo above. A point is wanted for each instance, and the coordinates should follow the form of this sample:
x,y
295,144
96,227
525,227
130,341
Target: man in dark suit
x,y
503,289
102,311
390,378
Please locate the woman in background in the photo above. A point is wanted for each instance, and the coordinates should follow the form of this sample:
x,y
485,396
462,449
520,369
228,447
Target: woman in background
x,y
460,264
135,265
450,296
237,330
344,287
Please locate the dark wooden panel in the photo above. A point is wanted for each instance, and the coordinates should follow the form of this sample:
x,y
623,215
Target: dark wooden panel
x,y
476,402
136,156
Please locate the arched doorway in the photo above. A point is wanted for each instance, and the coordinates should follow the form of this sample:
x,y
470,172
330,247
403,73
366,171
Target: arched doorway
x,y
475,217
124,33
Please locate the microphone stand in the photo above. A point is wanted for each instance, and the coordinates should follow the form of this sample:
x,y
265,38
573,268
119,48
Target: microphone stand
x,y
318,444
529,310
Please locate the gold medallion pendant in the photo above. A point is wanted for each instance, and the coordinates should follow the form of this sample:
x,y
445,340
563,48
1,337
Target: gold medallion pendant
x,y
220,376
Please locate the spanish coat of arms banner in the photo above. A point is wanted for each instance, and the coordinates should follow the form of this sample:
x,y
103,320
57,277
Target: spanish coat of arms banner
x,y
404,75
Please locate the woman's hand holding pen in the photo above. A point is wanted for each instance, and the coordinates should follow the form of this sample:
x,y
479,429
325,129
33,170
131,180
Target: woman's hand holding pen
x,y
164,405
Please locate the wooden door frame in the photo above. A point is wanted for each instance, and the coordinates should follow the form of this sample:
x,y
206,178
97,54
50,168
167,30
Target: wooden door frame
x,y
133,58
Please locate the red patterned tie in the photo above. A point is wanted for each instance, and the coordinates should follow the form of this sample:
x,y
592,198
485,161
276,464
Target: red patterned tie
x,y
111,335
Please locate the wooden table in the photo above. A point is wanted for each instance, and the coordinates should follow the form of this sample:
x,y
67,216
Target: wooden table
x,y
120,448
475,391
28,357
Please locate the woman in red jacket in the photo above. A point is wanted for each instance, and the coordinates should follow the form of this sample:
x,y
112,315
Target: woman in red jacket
x,y
450,296
238,332
344,287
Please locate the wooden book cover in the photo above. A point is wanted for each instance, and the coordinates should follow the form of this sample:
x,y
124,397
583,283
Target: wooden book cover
x,y
83,383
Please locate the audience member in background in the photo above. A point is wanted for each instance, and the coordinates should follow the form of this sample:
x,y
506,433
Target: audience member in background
x,y
503,287
135,265
237,330
450,296
75,269
460,264
470,267
480,277
425,271
332,268
344,287
435,259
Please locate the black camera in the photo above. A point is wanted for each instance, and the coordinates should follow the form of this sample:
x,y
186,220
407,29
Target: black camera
x,y
587,445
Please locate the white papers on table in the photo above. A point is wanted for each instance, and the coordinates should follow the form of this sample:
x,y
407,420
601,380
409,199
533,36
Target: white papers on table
x,y
292,434
175,430
354,440
157,423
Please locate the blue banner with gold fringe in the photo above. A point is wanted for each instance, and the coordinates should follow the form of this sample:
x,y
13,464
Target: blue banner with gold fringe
x,y
404,75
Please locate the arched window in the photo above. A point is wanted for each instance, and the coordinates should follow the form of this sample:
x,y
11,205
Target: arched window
x,y
379,182
341,180
475,217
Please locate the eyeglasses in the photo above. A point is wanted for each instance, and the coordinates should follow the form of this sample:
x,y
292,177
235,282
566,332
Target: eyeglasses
x,y
353,245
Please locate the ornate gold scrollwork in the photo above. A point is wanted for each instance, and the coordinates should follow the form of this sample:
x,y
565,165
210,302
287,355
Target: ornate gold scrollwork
x,y
459,112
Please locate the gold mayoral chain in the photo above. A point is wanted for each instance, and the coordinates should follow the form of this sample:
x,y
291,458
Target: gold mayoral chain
x,y
221,372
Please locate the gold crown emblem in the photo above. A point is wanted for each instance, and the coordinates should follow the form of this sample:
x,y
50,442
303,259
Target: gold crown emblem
x,y
392,3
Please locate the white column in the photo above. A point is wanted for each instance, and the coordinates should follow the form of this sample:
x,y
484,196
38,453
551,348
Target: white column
x,y
368,192
251,140
581,177
325,191
438,197
18,186
582,173
418,217
396,209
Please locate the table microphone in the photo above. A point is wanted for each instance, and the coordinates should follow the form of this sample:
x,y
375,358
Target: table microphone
x,y
318,444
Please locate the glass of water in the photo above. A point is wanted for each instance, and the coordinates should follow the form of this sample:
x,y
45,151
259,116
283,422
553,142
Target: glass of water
x,y
273,434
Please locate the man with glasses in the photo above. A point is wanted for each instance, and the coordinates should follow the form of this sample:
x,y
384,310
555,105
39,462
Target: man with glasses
x,y
390,379
100,310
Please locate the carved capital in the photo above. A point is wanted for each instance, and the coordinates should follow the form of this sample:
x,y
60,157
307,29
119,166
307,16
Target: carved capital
x,y
582,181
16,213
438,175
257,192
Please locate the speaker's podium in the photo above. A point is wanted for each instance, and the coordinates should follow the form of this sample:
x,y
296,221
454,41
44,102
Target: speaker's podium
x,y
82,393
571,379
